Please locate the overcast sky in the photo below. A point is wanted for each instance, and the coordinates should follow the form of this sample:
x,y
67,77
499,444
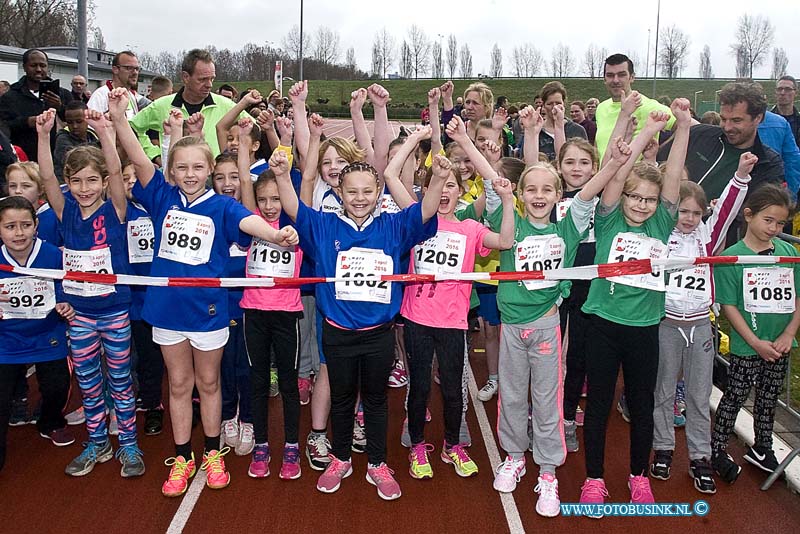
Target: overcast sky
x,y
618,25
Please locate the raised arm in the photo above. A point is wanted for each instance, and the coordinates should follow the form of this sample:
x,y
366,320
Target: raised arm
x,y
229,119
620,154
505,238
532,123
266,121
383,131
44,125
311,160
436,125
117,104
357,100
248,195
289,202
559,137
298,95
108,143
394,168
458,133
628,105
441,169
671,188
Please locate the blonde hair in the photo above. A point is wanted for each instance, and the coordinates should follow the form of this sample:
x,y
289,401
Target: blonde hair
x,y
544,166
191,142
693,190
346,148
84,156
31,170
486,96
643,171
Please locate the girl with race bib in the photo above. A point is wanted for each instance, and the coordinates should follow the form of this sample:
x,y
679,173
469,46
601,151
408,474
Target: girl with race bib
x,y
23,179
530,339
685,336
271,323
95,241
636,213
357,329
436,312
194,229
760,302
31,327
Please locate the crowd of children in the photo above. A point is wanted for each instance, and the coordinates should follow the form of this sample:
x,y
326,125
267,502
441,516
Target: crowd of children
x,y
337,208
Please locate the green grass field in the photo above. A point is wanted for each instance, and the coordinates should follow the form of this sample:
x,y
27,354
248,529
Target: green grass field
x,y
408,96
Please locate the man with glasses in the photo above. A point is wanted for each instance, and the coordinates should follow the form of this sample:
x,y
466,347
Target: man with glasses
x,y
785,94
124,73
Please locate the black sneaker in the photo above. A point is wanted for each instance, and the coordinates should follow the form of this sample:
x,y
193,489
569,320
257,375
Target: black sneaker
x,y
702,473
661,465
153,422
762,457
726,468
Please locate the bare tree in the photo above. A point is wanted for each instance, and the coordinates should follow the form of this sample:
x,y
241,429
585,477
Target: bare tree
x,y
674,51
754,36
780,62
35,23
377,61
527,60
466,61
452,55
98,40
706,72
563,62
326,46
593,61
635,58
742,64
420,49
496,67
437,63
406,61
386,48
350,59
291,42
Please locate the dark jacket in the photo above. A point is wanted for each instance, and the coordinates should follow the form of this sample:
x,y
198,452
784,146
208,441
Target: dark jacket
x,y
7,157
17,105
66,141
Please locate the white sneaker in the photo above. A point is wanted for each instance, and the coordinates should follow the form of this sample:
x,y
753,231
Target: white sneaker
x,y
246,440
230,432
548,504
76,417
508,474
488,391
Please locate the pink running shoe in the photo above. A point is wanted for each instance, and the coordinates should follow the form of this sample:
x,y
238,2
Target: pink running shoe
x,y
640,490
259,463
594,491
214,466
579,416
290,468
331,479
305,386
381,477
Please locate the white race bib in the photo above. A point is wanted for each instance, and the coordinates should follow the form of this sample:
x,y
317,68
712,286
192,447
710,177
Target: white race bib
x,y
88,261
628,246
539,253
388,205
29,297
186,238
690,285
768,290
561,212
442,254
269,259
357,263
141,239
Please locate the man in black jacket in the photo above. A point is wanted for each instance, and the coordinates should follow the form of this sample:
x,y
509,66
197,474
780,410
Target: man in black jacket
x,y
23,102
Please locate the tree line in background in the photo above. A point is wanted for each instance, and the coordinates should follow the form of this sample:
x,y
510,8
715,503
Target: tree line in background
x,y
38,23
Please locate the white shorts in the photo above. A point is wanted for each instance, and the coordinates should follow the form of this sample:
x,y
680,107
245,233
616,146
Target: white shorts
x,y
204,341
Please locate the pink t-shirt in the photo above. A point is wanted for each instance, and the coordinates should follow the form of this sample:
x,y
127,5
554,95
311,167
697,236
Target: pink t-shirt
x,y
270,260
452,250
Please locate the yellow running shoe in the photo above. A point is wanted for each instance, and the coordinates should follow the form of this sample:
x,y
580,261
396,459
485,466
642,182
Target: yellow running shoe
x,y
214,466
178,479
420,465
458,457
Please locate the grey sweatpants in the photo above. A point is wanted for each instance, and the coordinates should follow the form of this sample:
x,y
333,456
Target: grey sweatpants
x,y
688,346
530,361
309,350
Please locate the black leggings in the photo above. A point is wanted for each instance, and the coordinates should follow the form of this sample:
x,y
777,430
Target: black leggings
x,y
636,348
365,358
576,349
149,366
448,343
277,332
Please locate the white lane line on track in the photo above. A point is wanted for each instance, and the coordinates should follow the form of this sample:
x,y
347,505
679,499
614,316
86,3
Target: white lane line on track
x,y
507,499
188,503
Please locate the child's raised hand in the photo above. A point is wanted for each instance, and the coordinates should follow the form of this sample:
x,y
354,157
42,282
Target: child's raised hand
x,y
97,120
299,92
620,151
279,163
446,90
288,236
503,188
194,124
118,103
650,151
245,127
441,166
252,98
657,121
499,118
378,95
358,98
747,161
65,310
266,120
456,129
531,119
46,121
433,97
285,128
558,113
315,125
174,122
631,102
422,133
491,151
680,109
